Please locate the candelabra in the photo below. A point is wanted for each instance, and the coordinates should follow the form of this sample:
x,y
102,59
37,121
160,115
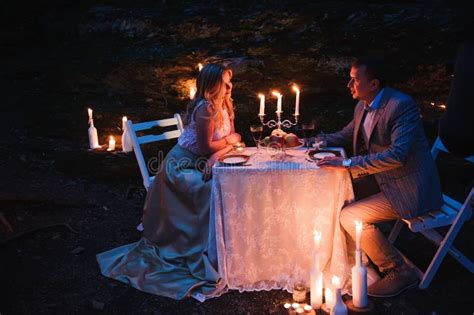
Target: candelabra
x,y
278,123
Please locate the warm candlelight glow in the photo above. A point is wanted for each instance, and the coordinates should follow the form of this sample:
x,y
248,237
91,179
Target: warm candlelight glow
x,y
336,282
279,96
295,305
358,225
111,144
192,93
124,122
442,106
308,308
287,306
299,310
295,88
317,238
200,66
89,112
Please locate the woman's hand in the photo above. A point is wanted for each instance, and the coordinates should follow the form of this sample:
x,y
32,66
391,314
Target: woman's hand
x,y
233,138
207,171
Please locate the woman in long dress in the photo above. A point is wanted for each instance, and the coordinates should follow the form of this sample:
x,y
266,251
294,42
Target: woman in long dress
x,y
171,257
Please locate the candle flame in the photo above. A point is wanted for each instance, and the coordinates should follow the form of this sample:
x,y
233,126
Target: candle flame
x,y
261,96
192,93
296,89
358,225
124,119
317,236
89,111
112,138
336,281
287,305
442,106
200,66
432,104
276,93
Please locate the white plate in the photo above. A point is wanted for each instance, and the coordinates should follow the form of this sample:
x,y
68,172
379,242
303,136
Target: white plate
x,y
322,155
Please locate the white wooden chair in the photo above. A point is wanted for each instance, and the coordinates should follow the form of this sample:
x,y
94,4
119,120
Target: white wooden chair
x,y
453,214
137,141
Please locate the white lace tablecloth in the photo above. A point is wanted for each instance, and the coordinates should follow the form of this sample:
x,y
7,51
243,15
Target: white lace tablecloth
x,y
265,215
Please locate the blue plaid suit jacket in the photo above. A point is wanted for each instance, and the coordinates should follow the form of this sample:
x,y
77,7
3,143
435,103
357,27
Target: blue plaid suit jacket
x,y
398,154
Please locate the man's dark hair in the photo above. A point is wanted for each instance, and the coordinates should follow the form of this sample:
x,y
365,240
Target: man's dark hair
x,y
374,68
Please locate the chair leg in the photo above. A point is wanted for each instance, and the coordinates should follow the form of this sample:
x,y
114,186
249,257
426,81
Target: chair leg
x,y
395,231
445,246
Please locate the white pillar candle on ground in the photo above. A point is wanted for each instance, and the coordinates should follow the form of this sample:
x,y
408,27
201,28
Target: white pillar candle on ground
x,y
262,104
297,101
192,93
200,66
358,234
279,98
126,143
92,132
338,307
359,282
111,144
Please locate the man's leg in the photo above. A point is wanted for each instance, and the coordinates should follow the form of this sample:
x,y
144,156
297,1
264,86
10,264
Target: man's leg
x,y
370,211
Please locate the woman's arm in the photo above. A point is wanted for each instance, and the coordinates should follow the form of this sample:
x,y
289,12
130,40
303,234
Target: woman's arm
x,y
205,131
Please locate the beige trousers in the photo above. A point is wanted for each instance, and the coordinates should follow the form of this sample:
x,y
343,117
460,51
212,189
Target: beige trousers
x,y
369,211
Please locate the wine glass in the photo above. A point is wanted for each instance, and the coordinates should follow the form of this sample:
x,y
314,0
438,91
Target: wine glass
x,y
308,129
256,131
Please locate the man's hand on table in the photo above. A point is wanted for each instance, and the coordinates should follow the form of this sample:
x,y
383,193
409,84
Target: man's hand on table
x,y
331,161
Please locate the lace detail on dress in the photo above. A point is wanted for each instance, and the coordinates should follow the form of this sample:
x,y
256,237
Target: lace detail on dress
x,y
187,139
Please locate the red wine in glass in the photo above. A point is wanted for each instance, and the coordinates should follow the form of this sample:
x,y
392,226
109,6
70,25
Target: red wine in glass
x,y
256,131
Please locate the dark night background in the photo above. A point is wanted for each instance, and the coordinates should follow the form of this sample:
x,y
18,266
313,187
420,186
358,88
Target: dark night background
x,y
138,58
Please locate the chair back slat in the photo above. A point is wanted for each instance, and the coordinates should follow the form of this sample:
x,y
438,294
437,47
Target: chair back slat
x,y
164,136
138,141
155,123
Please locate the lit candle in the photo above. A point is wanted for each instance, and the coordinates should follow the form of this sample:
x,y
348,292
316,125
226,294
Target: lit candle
x,y
92,132
295,305
200,66
328,297
89,112
307,308
111,144
262,104
358,234
297,102
287,306
279,96
299,310
316,275
126,143
192,92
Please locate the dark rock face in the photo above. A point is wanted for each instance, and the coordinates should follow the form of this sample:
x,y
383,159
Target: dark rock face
x,y
139,59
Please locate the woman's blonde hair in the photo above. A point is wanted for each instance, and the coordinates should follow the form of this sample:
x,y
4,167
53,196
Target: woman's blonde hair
x,y
209,84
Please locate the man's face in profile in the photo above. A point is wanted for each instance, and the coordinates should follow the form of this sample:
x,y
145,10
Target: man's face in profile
x,y
360,86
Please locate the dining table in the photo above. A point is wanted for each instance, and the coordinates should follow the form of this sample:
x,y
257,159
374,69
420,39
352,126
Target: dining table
x,y
264,214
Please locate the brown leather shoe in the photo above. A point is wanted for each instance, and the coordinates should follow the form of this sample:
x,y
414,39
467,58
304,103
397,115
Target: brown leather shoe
x,y
395,282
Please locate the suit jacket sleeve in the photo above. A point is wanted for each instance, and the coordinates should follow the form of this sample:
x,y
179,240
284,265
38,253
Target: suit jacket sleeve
x,y
341,138
404,121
